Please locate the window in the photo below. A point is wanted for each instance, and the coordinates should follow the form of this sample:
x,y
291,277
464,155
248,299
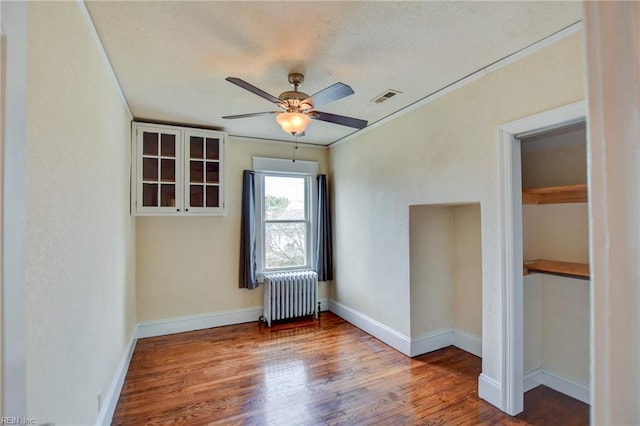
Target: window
x,y
286,222
285,218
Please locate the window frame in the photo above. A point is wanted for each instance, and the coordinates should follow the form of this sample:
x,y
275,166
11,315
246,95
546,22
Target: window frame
x,y
264,167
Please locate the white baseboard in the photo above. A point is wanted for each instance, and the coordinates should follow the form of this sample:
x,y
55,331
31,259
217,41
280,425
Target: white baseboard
x,y
197,322
532,379
557,382
112,394
490,390
411,347
467,342
200,322
432,342
446,337
396,340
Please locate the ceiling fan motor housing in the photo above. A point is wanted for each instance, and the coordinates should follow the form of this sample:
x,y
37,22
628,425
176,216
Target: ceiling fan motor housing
x,y
291,99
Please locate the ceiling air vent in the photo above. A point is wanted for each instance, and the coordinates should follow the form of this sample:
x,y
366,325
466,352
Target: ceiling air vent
x,y
385,96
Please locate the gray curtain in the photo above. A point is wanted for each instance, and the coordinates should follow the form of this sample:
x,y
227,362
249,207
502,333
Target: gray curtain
x,y
324,251
248,278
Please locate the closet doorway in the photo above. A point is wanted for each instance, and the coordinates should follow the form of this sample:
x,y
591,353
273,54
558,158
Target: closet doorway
x,y
545,255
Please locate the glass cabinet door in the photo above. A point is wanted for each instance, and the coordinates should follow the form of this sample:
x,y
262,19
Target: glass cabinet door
x,y
178,170
204,174
159,162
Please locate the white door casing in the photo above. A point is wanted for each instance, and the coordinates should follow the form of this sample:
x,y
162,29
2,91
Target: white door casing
x,y
512,258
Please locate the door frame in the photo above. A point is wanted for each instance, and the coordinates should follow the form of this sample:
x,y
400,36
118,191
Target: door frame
x,y
510,199
13,21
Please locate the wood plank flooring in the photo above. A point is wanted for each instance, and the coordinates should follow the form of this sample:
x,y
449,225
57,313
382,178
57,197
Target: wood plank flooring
x,y
325,372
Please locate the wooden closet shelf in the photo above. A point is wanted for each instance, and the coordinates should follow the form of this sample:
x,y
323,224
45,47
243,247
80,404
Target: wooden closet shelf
x,y
576,270
556,194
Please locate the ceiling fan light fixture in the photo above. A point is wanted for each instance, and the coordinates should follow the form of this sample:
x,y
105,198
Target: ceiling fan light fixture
x,y
293,123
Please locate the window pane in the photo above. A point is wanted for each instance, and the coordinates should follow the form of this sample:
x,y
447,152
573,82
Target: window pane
x,y
167,195
196,196
213,172
196,169
196,148
149,143
284,198
167,170
149,194
284,244
150,169
168,145
213,149
213,196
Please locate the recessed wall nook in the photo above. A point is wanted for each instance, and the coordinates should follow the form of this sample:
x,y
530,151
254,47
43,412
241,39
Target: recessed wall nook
x,y
445,277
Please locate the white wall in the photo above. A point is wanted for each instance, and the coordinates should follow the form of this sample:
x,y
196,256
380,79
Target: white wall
x,y
189,265
80,265
444,152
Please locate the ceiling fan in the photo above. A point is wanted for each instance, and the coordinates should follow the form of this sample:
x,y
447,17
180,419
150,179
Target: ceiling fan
x,y
297,108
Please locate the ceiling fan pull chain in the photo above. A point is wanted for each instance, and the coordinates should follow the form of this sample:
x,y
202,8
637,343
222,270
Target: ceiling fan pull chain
x,y
295,146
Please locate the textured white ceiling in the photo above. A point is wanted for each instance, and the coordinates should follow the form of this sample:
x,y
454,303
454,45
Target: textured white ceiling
x,y
172,58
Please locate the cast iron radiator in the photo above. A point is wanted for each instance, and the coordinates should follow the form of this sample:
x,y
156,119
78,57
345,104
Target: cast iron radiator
x,y
290,295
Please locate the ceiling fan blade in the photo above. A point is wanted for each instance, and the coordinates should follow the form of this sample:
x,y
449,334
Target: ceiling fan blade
x,y
339,119
253,89
330,94
253,114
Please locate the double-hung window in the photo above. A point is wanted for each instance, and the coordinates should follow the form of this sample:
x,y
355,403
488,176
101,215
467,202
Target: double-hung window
x,y
285,215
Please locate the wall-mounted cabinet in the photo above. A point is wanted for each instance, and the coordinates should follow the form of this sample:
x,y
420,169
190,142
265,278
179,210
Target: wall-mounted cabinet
x,y
178,170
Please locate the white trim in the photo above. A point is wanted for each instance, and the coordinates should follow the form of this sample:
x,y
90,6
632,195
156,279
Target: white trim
x,y
566,386
547,41
202,321
253,139
13,157
532,379
489,390
397,341
432,342
467,342
197,322
103,53
411,347
279,167
446,337
284,165
111,396
511,247
558,383
511,270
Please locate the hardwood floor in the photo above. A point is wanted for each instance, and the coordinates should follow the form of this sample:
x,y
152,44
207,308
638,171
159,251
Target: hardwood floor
x,y
313,373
